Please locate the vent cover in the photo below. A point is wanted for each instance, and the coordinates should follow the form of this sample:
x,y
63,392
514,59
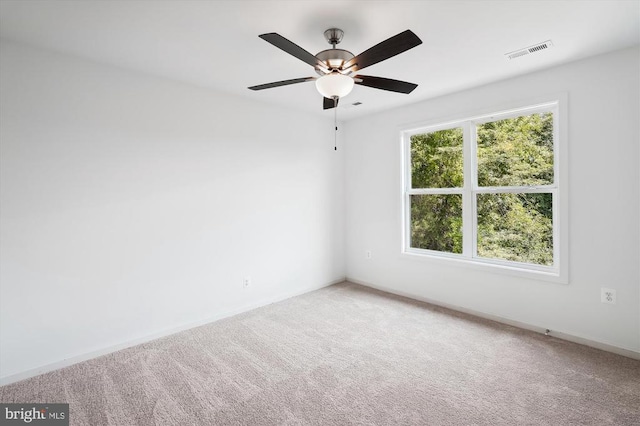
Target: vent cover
x,y
531,49
347,106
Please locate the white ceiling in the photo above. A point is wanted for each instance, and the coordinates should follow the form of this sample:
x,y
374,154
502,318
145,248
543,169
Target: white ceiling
x,y
215,43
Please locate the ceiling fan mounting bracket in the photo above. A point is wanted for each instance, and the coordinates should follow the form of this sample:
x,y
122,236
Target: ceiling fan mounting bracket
x,y
333,36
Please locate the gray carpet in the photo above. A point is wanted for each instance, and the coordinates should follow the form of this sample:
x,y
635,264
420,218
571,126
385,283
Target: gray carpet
x,y
342,355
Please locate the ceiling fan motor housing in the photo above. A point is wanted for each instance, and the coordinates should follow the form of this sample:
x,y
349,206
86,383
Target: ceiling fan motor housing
x,y
334,58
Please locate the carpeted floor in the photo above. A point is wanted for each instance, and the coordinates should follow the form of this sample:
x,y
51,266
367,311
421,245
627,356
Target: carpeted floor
x,y
343,355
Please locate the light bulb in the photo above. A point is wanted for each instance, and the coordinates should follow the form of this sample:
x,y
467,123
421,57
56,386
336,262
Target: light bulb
x,y
334,84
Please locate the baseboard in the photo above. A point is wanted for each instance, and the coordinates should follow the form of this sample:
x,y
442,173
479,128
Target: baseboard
x,y
114,348
629,353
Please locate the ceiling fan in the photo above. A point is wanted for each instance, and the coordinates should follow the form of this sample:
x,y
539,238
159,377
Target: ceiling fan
x,y
338,68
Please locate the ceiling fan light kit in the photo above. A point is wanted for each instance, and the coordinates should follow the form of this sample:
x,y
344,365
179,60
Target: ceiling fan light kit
x,y
338,68
334,85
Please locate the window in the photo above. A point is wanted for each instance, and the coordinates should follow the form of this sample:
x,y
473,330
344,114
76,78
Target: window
x,y
486,190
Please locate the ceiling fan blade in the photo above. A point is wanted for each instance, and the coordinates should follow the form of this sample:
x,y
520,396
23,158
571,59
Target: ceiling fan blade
x,y
385,83
281,83
292,49
328,103
390,47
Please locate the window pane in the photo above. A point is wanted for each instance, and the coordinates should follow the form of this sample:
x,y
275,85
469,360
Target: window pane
x,y
516,151
436,159
436,222
517,227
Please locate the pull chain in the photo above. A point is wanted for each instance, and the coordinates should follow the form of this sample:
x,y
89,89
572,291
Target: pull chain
x,y
335,123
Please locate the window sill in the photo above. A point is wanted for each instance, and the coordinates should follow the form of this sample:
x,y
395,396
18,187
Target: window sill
x,y
453,260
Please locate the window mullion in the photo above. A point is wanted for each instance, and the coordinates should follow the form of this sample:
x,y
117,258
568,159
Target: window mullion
x,y
515,189
419,191
467,194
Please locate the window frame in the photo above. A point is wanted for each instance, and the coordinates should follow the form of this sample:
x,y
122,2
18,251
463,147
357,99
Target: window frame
x,y
470,191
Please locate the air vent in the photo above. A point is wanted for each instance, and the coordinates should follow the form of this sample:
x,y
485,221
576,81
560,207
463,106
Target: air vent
x,y
531,49
348,106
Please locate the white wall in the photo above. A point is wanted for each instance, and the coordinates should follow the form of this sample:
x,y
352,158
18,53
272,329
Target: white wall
x,y
604,237
132,205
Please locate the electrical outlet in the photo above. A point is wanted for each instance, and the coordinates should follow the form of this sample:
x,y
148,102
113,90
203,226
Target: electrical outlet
x,y
368,254
246,282
608,295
